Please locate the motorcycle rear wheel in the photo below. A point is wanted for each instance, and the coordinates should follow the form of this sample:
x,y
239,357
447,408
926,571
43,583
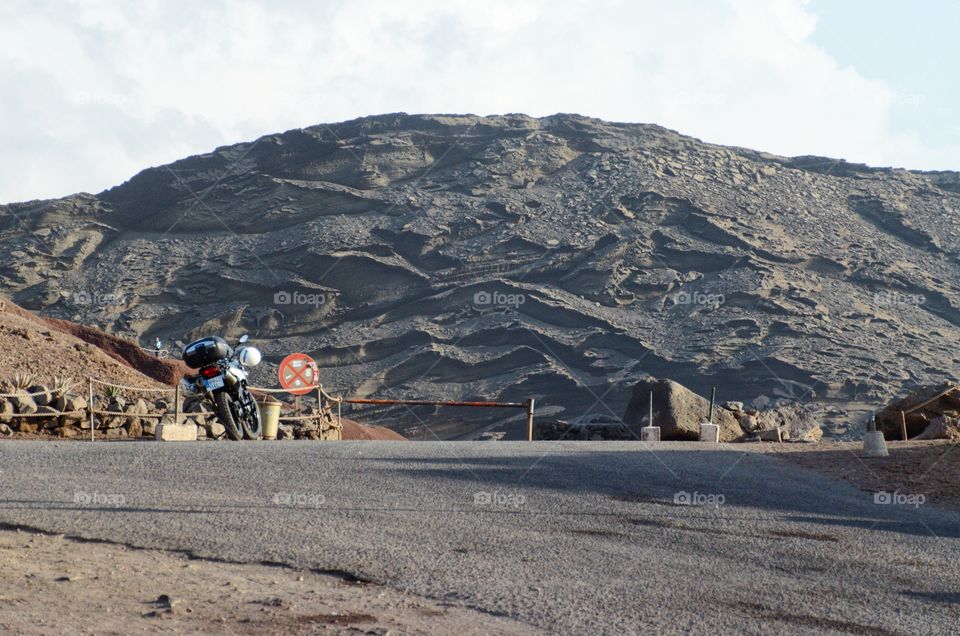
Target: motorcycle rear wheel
x,y
224,405
251,424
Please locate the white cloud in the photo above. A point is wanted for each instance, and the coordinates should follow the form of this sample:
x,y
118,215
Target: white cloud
x,y
96,91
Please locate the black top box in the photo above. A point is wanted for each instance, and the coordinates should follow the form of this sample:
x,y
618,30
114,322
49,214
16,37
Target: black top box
x,y
205,352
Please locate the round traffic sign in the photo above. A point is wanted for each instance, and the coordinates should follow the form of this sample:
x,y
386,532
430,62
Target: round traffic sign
x,y
298,373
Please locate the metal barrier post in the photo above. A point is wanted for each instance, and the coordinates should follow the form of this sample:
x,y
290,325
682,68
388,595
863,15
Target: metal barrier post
x,y
90,405
529,405
903,425
530,420
176,404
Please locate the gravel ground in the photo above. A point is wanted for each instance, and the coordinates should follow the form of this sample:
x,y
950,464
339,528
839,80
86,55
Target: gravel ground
x,y
585,537
927,468
50,584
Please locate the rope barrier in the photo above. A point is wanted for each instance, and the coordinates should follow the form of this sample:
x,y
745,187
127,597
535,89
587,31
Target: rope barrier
x,y
35,393
297,418
49,414
337,399
260,389
306,391
132,388
92,411
123,414
321,392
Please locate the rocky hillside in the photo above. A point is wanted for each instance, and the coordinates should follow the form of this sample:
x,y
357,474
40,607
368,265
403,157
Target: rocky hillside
x,y
52,359
504,257
46,349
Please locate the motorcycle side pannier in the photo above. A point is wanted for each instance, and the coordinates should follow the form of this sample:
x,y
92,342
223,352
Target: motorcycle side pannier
x,y
205,352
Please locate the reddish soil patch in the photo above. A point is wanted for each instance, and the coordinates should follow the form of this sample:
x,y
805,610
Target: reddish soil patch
x,y
43,348
355,430
129,353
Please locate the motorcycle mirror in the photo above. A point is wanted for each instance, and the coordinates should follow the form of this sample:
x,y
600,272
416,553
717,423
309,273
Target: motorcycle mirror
x,y
244,338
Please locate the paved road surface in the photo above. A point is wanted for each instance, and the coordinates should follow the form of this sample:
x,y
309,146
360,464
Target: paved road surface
x,y
581,537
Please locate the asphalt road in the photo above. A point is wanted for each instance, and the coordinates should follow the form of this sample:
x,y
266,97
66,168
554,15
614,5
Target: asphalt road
x,y
576,537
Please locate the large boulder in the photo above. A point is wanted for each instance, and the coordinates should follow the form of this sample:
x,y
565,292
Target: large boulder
x,y
135,428
797,423
677,410
6,411
41,394
197,405
133,423
115,405
74,408
750,421
67,432
942,427
215,429
148,427
51,420
921,407
23,402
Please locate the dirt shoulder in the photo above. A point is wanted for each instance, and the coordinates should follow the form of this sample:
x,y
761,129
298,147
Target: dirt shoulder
x,y
930,468
50,584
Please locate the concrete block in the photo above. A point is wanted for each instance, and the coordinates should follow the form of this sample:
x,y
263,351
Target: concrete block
x,y
176,432
710,433
771,435
650,434
874,445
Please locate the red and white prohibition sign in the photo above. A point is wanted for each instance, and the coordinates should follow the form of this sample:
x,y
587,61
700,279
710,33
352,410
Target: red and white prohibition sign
x,y
298,373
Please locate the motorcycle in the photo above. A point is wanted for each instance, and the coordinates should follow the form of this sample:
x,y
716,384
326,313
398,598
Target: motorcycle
x,y
222,379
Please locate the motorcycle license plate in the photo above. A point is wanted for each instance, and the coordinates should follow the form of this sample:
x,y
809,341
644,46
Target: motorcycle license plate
x,y
214,383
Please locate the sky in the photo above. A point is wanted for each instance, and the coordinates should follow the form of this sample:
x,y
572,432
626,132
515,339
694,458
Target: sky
x,y
93,91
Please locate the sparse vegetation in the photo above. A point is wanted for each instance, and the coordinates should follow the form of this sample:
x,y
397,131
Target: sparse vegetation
x,y
60,385
22,380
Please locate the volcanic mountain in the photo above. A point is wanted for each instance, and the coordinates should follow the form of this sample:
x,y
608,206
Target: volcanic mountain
x,y
507,257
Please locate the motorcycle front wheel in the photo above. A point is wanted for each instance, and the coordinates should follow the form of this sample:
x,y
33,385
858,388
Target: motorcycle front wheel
x,y
224,404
